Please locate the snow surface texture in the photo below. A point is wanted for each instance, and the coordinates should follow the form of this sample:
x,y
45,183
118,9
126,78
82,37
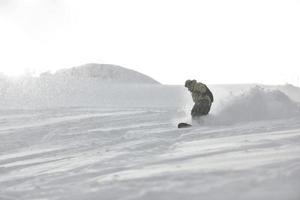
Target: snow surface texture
x,y
125,143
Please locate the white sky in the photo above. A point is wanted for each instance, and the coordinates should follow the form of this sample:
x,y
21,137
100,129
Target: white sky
x,y
255,41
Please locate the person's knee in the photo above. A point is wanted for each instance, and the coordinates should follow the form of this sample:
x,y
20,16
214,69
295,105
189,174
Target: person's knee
x,y
199,110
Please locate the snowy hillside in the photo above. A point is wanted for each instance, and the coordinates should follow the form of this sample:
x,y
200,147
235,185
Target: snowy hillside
x,y
102,72
94,153
84,140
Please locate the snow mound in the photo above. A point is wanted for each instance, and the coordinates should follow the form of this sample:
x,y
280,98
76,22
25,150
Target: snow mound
x,y
101,72
257,104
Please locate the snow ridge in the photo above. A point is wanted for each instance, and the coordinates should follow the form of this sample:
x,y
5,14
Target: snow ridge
x,y
102,72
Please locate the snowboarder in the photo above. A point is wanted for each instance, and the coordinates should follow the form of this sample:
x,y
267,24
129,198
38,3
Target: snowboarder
x,y
202,98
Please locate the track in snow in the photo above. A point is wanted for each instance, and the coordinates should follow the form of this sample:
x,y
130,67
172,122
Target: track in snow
x,y
89,153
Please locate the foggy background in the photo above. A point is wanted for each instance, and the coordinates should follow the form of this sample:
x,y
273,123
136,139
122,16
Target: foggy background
x,y
213,41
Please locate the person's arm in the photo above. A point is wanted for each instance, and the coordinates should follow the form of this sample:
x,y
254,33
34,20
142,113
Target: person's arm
x,y
209,93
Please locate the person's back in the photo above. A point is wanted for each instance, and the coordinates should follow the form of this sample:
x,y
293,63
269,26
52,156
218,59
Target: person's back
x,y
202,98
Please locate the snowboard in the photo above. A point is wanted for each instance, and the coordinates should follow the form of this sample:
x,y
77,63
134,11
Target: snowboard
x,y
183,125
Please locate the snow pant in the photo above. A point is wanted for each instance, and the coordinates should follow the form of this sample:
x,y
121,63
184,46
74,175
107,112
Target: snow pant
x,y
201,108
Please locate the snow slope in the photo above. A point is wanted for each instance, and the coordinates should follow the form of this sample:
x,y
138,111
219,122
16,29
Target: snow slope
x,y
101,72
248,148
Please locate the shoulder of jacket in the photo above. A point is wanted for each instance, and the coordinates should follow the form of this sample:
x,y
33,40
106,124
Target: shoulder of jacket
x,y
200,87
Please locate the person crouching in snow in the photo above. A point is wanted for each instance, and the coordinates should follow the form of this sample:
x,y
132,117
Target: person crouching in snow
x,y
202,98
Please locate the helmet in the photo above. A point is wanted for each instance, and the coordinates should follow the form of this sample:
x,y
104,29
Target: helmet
x,y
189,83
